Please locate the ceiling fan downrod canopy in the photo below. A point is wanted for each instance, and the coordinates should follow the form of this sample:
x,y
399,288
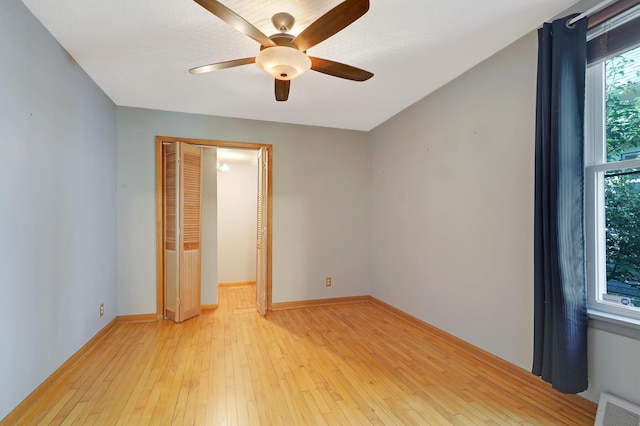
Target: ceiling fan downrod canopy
x,y
283,22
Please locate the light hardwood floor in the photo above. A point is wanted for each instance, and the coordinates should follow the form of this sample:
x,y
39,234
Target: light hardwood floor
x,y
341,364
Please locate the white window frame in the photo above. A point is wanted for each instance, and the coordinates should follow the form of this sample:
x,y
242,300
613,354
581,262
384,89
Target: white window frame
x,y
596,166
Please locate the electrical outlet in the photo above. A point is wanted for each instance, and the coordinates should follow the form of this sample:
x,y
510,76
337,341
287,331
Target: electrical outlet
x,y
327,281
101,309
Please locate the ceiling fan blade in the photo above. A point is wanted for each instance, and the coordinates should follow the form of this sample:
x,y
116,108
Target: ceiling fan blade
x,y
222,65
337,69
236,21
282,90
330,23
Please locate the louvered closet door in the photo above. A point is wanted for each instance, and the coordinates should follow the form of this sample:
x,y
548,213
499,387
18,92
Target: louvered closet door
x,y
182,182
191,235
171,185
262,235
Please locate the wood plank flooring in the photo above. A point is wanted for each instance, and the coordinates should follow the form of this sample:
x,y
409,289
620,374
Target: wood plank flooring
x,y
328,365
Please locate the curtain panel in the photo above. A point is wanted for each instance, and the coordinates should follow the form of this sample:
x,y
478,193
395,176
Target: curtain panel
x,y
560,313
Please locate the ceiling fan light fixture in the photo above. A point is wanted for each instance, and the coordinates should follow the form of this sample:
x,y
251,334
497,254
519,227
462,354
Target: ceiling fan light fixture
x,y
283,63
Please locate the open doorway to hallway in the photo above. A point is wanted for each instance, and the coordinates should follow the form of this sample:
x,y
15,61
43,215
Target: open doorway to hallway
x,y
237,208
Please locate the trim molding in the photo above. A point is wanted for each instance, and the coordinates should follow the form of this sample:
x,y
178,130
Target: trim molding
x,y
319,302
21,409
160,219
505,367
124,319
208,307
462,344
236,283
615,324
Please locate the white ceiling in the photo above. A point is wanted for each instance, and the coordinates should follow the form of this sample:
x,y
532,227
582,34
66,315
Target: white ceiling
x,y
139,51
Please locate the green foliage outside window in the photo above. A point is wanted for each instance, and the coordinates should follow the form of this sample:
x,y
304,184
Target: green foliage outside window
x,y
622,187
622,106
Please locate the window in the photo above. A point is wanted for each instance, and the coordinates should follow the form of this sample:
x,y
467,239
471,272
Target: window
x,y
612,174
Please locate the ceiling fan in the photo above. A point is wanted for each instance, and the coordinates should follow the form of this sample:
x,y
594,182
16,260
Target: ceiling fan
x,y
283,55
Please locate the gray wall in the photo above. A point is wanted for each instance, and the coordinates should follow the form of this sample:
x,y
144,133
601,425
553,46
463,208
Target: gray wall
x,y
452,217
448,239
453,205
237,219
320,201
57,204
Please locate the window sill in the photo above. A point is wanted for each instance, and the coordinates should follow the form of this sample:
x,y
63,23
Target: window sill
x,y
613,323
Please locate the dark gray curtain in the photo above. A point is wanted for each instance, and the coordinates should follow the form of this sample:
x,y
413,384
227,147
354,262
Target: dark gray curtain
x,y
560,322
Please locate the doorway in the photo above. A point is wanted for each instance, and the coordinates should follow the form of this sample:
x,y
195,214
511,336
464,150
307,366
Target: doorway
x,y
237,211
266,217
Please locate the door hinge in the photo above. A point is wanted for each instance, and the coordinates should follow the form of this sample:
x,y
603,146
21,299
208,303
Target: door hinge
x,y
179,301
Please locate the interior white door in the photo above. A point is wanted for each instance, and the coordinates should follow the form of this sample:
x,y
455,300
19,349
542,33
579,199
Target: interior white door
x,y
262,232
